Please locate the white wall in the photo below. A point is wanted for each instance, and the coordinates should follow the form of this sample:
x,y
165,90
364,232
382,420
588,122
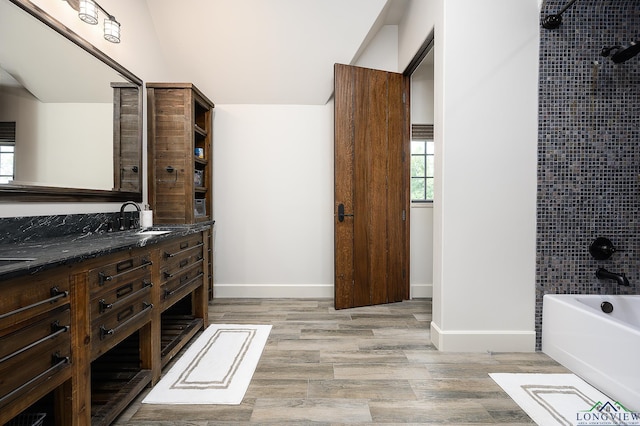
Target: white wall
x,y
421,247
382,51
262,252
485,200
273,192
77,160
421,238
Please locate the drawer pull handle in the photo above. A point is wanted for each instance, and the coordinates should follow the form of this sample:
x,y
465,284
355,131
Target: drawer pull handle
x,y
55,296
124,265
168,275
57,361
56,329
169,255
104,333
104,277
126,289
168,293
103,305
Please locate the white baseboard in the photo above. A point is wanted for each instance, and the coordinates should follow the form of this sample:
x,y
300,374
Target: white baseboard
x,y
273,291
296,291
421,291
483,340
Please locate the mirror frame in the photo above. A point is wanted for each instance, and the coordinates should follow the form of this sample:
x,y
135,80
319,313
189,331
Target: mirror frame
x,y
27,193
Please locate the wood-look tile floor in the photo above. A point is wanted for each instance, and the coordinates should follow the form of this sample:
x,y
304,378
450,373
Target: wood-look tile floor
x,y
371,365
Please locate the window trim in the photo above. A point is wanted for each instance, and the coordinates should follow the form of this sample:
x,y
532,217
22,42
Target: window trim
x,y
422,133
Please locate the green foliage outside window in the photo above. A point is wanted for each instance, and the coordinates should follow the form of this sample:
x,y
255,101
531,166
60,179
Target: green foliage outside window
x,y
422,170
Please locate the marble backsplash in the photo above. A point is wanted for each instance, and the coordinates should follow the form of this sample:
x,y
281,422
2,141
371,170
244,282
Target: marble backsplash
x,y
19,229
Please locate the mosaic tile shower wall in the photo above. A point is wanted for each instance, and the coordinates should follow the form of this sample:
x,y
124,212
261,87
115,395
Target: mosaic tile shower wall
x,y
588,150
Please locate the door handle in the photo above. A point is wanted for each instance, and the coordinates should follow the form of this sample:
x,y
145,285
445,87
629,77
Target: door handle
x,y
341,214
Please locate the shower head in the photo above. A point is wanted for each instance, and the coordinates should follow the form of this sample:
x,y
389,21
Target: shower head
x,y
619,54
553,21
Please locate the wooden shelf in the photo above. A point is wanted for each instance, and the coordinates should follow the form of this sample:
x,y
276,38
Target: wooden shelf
x,y
116,380
199,130
114,394
176,331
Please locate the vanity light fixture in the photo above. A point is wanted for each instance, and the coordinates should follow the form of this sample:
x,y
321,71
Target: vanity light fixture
x,y
112,29
88,12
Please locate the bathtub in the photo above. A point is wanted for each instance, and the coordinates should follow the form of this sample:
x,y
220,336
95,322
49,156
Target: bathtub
x,y
603,349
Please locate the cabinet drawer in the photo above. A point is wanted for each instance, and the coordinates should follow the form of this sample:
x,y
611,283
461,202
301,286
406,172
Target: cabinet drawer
x,y
118,322
181,284
115,275
175,251
173,267
182,268
115,296
34,355
24,299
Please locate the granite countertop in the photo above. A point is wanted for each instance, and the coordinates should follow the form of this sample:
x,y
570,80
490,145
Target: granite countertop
x,y
54,251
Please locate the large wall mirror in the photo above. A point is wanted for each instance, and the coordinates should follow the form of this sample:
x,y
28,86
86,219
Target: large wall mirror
x,y
70,116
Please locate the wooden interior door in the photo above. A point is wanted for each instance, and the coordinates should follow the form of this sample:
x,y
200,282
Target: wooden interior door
x,y
371,187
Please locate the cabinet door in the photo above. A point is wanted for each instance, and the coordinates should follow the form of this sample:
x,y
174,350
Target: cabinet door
x,y
170,145
127,137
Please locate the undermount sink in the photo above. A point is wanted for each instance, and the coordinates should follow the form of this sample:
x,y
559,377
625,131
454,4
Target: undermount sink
x,y
153,232
4,261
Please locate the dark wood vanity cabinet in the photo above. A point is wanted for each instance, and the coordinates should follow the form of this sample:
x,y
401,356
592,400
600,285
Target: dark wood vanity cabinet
x,y
183,278
120,300
88,338
35,341
181,269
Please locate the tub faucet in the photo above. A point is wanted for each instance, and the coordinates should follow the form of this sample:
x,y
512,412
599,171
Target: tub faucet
x,y
122,207
621,279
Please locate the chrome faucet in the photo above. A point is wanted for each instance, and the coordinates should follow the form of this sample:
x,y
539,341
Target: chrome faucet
x,y
621,279
122,218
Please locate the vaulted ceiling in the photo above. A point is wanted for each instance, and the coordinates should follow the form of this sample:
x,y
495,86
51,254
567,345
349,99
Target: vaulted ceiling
x,y
267,51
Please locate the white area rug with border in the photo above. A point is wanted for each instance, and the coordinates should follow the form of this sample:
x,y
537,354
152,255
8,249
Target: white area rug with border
x,y
216,369
563,399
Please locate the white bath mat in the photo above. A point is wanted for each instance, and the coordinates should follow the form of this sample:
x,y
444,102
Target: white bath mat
x,y
216,369
563,399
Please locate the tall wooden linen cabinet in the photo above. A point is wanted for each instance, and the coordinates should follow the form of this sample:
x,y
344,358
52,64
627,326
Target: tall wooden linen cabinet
x,y
180,155
180,131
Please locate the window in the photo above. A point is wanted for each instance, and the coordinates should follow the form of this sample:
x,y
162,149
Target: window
x,y
6,163
7,147
422,162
